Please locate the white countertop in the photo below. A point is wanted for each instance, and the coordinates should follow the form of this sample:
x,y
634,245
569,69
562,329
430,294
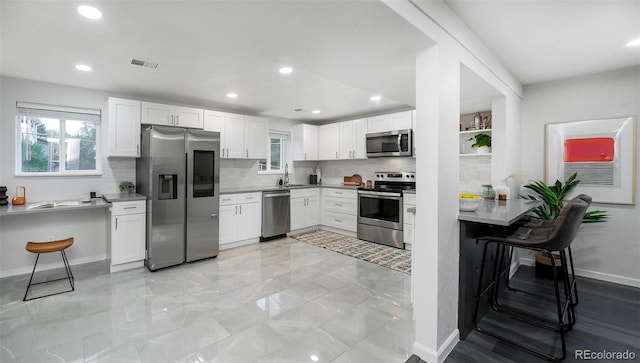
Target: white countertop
x,y
123,197
52,206
502,213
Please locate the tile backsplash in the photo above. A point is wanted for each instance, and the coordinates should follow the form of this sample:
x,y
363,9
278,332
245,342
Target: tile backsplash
x,y
334,171
474,171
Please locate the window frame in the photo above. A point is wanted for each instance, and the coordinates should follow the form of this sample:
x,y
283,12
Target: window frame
x,y
63,172
285,153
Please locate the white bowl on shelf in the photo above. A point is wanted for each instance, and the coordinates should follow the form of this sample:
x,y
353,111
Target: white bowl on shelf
x,y
469,204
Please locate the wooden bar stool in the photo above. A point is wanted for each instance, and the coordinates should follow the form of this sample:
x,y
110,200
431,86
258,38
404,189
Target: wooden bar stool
x,y
47,247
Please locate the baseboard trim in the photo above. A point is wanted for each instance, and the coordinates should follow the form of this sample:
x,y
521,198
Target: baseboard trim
x,y
52,265
596,275
235,244
430,355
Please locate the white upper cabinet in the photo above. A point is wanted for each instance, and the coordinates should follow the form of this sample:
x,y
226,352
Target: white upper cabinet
x,y
305,142
169,115
255,137
329,137
352,139
394,121
124,128
241,137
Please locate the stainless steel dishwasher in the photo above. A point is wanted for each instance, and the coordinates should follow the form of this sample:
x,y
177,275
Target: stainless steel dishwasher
x,y
276,218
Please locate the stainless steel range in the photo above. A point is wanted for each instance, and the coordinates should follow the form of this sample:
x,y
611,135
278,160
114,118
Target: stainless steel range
x,y
380,208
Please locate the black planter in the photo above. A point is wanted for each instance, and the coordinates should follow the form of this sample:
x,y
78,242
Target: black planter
x,y
3,196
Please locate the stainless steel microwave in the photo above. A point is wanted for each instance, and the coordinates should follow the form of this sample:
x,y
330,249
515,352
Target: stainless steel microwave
x,y
390,143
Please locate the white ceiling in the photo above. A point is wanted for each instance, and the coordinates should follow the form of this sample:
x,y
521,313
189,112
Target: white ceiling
x,y
543,40
342,51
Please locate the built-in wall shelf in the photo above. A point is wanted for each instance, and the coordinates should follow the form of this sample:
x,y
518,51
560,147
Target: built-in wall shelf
x,y
466,132
464,155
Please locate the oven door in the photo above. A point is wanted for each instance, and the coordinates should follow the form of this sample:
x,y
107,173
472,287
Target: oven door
x,y
382,209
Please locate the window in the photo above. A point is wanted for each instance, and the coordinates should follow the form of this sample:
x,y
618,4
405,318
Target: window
x,y
277,156
57,140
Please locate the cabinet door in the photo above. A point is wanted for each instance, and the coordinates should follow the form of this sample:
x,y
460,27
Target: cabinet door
x,y
298,206
214,121
248,224
312,211
124,127
401,120
127,238
360,138
311,142
228,217
188,117
256,136
157,114
379,123
329,142
347,134
234,136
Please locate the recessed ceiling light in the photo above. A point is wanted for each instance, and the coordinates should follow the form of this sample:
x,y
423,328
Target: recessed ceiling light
x,y
83,67
634,43
285,70
232,95
375,98
89,12
315,111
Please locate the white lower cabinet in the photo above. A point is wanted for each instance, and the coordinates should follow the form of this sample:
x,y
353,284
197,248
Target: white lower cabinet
x,y
409,201
305,208
340,208
240,217
127,234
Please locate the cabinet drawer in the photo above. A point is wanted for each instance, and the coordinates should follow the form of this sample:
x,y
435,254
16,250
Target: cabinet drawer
x,y
249,197
340,193
409,199
303,193
227,199
124,208
340,220
340,205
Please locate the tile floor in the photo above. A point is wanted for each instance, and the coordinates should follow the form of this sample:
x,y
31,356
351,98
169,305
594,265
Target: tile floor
x,y
281,301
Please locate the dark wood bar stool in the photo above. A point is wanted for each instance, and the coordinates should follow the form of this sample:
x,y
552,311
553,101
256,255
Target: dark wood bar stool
x,y
555,237
48,247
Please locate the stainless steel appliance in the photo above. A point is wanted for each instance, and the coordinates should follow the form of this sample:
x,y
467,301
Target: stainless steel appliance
x,y
380,208
276,218
389,143
179,173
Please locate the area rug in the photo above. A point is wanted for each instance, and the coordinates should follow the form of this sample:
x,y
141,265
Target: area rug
x,y
390,257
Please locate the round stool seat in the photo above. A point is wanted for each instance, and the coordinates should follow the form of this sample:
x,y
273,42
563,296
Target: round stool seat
x,y
51,246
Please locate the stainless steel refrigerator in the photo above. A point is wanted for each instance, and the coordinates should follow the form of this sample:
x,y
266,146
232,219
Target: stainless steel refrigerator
x,y
179,173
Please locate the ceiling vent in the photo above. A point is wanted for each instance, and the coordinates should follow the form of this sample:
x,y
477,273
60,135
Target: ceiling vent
x,y
141,63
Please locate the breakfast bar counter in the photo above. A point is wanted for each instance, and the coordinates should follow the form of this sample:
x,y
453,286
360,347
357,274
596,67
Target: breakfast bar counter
x,y
486,220
52,206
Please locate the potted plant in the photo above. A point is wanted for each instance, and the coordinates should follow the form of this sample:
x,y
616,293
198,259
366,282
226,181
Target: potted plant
x,y
552,198
482,142
127,187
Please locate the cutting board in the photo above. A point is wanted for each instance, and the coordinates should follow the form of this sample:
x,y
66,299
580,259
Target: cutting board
x,y
354,180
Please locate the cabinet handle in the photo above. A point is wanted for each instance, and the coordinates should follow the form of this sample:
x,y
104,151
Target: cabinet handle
x,y
177,119
336,154
236,209
130,207
353,154
116,223
338,192
172,120
338,205
305,156
241,209
247,152
338,220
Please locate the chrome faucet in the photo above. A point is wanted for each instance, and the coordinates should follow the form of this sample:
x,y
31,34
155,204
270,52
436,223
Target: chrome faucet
x,y
286,175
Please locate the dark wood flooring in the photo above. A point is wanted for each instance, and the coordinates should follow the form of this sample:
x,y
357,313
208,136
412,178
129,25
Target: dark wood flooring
x,y
607,320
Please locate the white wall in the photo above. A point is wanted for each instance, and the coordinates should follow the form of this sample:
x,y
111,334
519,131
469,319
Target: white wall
x,y
607,251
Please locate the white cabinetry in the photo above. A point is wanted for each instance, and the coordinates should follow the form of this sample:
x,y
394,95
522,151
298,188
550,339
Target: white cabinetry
x,y
124,128
305,208
305,142
394,121
127,234
340,208
409,201
329,141
169,115
240,217
352,139
241,137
